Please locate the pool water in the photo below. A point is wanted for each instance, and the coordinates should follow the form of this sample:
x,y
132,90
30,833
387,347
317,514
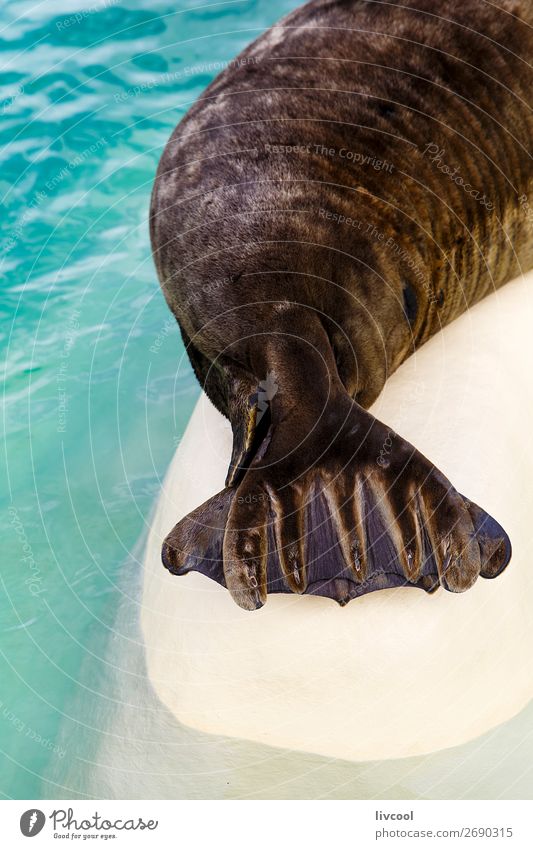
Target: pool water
x,y
97,393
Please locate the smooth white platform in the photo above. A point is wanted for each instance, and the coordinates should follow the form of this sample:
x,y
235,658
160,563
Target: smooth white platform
x,y
397,672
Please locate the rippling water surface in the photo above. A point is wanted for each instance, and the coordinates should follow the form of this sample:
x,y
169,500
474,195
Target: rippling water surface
x,y
96,390
96,395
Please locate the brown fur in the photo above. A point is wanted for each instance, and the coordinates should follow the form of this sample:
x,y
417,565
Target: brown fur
x,y
265,276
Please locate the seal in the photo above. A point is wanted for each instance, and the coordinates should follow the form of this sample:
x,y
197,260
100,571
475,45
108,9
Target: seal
x,y
356,179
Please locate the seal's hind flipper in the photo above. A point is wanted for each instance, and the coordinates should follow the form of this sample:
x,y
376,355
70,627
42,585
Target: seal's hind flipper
x,y
195,543
494,544
339,517
340,534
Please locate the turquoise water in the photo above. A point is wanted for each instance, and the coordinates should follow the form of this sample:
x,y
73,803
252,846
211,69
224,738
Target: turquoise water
x,y
96,395
96,390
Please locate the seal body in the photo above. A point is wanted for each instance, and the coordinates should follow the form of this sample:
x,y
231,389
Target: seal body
x,y
352,182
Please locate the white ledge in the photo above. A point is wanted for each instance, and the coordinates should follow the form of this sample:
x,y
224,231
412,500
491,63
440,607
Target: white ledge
x,y
397,672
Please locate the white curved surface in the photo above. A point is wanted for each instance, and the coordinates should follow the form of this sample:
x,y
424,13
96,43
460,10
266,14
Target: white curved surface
x,y
397,672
